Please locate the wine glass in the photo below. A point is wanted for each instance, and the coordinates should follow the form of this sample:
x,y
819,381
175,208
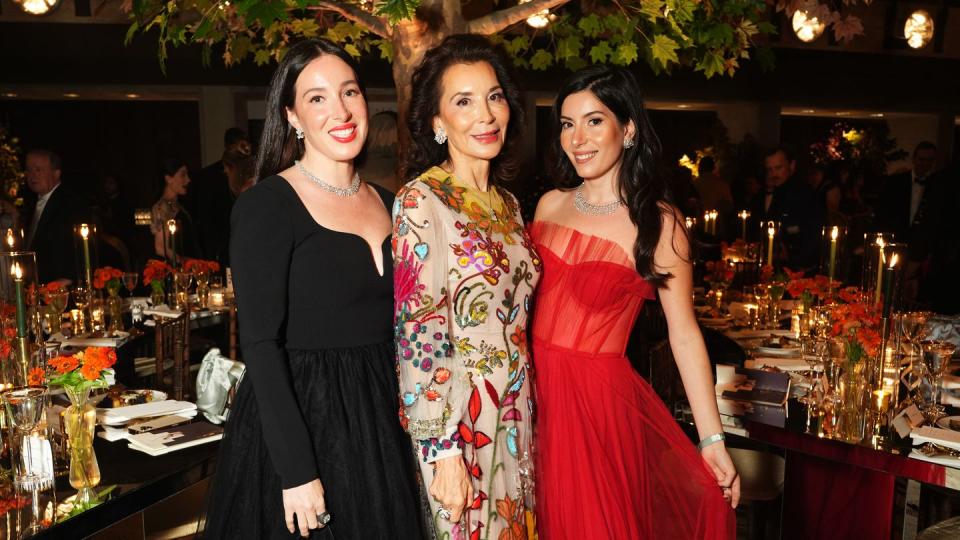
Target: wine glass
x,y
56,303
81,297
130,281
936,358
913,326
182,281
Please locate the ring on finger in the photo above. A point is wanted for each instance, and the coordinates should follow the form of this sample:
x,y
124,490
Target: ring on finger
x,y
322,519
443,513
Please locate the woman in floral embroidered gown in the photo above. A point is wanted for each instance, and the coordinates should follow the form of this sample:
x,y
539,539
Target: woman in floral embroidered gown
x,y
612,462
464,271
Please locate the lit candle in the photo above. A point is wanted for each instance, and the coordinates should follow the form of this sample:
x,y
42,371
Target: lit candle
x,y
880,260
17,273
85,236
834,233
771,232
888,286
881,399
713,221
172,227
10,239
706,222
743,215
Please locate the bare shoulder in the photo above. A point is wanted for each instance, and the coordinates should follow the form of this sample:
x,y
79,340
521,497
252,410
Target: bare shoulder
x,y
550,204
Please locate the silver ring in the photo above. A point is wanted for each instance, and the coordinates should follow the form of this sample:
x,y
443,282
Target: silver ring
x,y
323,518
443,513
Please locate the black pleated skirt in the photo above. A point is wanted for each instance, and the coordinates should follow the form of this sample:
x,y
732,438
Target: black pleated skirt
x,y
349,399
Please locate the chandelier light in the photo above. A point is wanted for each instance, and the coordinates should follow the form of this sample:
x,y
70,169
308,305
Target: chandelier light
x,y
806,26
918,29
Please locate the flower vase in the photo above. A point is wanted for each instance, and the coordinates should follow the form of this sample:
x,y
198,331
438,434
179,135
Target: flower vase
x,y
157,295
203,290
853,404
114,310
80,420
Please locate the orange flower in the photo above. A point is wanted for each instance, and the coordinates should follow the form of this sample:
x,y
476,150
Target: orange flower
x,y
102,275
36,376
200,266
156,270
64,364
90,372
99,358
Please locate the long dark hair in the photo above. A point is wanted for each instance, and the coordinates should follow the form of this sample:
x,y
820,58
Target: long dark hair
x,y
641,185
425,105
279,146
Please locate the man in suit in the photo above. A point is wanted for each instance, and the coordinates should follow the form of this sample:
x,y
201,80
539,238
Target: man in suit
x,y
904,197
50,233
794,204
211,198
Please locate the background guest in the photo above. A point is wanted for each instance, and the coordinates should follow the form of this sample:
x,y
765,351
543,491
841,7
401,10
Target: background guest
x,y
175,182
794,204
828,192
214,216
210,179
57,210
714,191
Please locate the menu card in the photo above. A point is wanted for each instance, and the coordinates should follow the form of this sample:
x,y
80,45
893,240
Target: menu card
x,y
166,440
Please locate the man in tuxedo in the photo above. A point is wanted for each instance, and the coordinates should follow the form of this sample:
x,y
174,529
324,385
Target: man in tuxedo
x,y
213,196
904,199
792,202
58,209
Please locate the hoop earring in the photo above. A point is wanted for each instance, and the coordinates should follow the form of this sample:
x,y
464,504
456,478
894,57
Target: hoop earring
x,y
628,143
440,136
299,134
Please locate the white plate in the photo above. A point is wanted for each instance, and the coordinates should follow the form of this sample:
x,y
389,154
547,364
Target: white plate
x,y
778,351
156,395
716,320
945,422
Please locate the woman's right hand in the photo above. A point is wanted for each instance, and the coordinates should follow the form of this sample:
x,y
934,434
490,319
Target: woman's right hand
x,y
306,502
451,486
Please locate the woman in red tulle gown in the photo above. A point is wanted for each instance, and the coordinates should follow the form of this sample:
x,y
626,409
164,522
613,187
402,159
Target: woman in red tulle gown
x,y
612,462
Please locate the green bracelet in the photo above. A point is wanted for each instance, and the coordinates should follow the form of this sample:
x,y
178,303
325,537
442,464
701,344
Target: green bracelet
x,y
715,438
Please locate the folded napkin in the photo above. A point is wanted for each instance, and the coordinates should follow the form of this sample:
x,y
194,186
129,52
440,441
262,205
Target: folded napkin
x,y
946,461
943,437
121,415
163,311
783,364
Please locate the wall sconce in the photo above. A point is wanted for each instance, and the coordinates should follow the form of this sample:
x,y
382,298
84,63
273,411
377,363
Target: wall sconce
x,y
918,29
37,7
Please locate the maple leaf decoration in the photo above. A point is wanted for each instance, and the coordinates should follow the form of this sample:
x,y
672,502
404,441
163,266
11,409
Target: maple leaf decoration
x,y
847,28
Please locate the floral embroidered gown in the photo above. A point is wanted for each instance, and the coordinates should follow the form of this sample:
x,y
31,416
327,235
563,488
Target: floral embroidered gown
x,y
464,273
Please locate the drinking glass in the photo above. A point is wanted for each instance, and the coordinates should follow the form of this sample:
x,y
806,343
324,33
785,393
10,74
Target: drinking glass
x,y
130,280
936,359
81,297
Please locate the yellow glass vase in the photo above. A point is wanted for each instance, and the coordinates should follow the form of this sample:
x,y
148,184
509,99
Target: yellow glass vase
x,y
80,421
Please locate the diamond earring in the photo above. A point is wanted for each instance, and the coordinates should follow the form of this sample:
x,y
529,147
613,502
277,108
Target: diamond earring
x,y
299,134
628,143
440,136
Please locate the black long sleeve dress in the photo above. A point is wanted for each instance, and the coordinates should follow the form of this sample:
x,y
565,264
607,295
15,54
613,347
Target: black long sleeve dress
x,y
320,396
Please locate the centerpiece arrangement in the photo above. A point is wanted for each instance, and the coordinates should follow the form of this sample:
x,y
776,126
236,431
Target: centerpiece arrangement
x,y
109,278
155,275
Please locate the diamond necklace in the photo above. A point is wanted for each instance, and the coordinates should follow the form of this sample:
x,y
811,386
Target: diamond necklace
x,y
585,207
338,191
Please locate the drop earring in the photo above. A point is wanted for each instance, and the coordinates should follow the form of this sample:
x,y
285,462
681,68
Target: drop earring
x,y
440,136
299,134
628,143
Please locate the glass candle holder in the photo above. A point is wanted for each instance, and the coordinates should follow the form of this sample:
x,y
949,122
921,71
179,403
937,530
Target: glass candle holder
x,y
31,455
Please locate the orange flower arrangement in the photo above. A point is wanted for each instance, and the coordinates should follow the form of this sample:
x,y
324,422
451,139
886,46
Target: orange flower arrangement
x,y
859,324
200,266
90,368
156,271
51,288
107,276
36,376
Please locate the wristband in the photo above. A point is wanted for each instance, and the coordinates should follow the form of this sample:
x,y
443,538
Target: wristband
x,y
707,441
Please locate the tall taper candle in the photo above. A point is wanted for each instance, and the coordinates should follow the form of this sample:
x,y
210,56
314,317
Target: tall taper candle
x,y
172,227
834,233
889,278
771,231
88,271
17,274
743,215
880,260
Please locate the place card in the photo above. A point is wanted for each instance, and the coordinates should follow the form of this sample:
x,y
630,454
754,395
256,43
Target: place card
x,y
908,419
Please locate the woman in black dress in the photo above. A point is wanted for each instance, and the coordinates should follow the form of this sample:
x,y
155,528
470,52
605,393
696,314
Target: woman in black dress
x,y
314,445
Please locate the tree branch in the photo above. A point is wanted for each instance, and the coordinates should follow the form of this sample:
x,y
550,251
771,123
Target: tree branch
x,y
353,13
501,19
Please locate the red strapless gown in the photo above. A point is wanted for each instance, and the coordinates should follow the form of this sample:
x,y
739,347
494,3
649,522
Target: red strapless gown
x,y
612,462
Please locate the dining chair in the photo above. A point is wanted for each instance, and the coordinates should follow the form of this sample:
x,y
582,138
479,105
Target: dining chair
x,y
173,346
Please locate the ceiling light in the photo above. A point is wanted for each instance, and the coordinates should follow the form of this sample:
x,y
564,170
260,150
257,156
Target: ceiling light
x,y
918,29
843,113
71,95
877,115
133,96
37,7
10,94
683,106
808,111
540,19
806,25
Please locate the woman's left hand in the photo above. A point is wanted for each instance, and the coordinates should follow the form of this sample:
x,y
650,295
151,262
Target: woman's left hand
x,y
717,458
